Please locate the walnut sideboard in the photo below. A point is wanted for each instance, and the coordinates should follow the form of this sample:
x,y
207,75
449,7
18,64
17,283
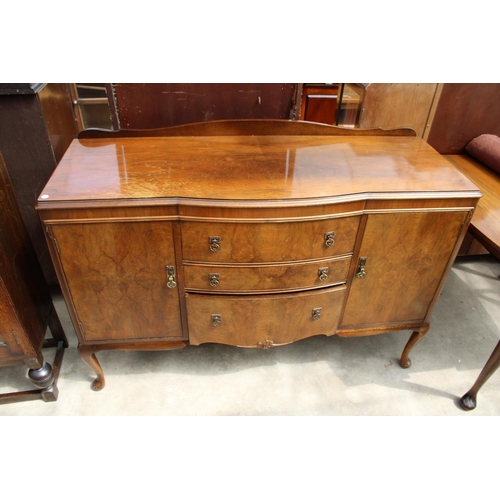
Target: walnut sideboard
x,y
251,234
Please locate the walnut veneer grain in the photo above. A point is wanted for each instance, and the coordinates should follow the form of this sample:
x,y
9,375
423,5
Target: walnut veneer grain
x,y
279,319
263,235
117,276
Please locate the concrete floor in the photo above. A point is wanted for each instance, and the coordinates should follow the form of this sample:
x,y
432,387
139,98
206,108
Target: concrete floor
x,y
317,376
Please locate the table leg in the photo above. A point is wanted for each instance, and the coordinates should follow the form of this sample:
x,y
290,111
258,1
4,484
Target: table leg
x,y
468,400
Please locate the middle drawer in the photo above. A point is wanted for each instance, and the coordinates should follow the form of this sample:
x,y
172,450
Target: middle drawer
x,y
265,277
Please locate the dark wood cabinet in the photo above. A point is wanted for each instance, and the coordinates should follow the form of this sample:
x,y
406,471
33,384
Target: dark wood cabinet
x,y
252,234
156,105
26,308
37,125
320,102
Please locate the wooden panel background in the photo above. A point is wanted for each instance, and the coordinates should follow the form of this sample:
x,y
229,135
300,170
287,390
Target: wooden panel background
x,y
156,105
465,110
390,105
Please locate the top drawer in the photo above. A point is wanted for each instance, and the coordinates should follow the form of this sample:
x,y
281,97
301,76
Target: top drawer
x,y
245,242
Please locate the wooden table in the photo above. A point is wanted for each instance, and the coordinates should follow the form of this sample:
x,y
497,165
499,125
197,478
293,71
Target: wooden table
x,y
252,234
485,227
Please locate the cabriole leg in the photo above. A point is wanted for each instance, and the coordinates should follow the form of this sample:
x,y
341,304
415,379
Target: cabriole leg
x,y
88,356
415,338
468,400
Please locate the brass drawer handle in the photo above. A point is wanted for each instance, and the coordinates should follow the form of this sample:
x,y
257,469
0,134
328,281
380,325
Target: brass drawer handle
x,y
171,283
216,319
323,273
361,273
316,313
214,279
330,238
214,243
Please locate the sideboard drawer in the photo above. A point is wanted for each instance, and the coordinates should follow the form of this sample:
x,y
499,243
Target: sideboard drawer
x,y
210,278
263,321
267,241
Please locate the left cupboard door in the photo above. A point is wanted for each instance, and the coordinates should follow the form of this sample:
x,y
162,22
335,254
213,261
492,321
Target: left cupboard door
x,y
116,274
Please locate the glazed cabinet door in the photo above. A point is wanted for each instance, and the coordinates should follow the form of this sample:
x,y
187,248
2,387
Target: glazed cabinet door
x,y
122,279
405,256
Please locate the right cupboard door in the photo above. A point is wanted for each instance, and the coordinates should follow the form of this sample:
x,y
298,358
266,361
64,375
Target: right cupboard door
x,y
406,256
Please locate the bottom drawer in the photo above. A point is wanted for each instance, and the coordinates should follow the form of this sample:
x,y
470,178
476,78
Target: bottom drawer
x,y
265,320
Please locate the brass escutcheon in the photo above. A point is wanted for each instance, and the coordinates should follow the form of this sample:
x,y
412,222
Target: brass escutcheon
x,y
214,243
216,319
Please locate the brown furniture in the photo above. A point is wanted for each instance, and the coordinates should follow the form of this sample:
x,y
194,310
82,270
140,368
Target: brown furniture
x,y
485,224
469,400
485,228
350,104
464,111
320,102
399,105
36,127
156,105
251,233
26,307
92,105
